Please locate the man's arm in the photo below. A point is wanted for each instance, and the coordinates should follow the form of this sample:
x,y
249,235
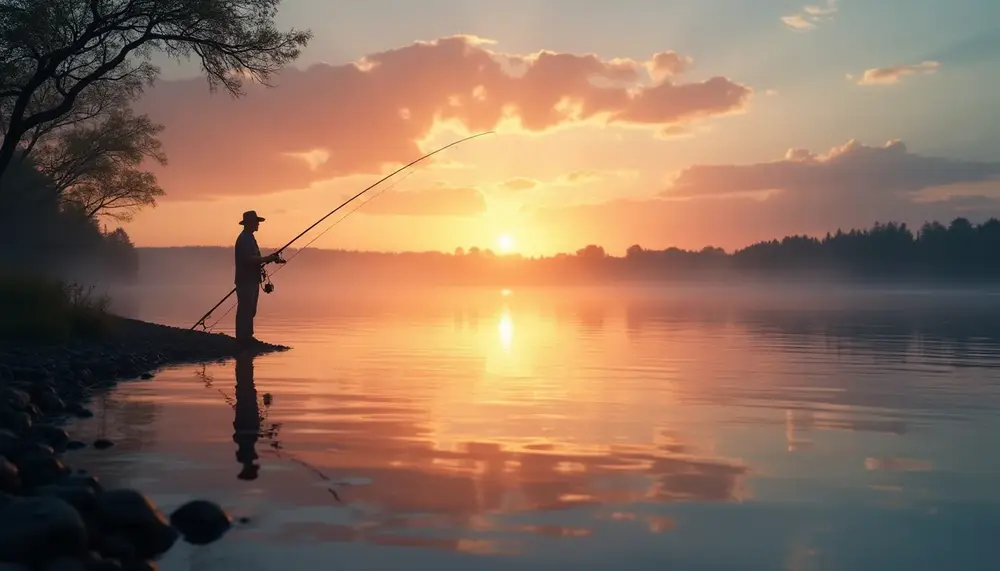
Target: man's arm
x,y
248,256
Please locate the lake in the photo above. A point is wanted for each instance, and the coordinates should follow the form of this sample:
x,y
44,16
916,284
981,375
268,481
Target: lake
x,y
695,428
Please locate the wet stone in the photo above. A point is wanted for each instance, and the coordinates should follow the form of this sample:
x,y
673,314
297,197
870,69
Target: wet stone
x,y
40,528
83,500
10,476
116,546
9,442
16,399
103,444
81,412
75,445
131,514
67,564
40,469
49,402
17,422
52,435
201,522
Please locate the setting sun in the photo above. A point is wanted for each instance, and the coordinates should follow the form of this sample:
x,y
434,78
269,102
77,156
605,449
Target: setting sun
x,y
505,242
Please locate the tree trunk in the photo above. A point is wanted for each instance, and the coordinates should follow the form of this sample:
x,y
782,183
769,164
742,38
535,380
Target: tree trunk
x,y
7,151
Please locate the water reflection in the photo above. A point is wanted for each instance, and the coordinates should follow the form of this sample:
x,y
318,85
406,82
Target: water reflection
x,y
247,418
727,433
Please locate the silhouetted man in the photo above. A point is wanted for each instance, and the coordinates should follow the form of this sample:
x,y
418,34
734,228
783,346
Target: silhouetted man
x,y
248,276
246,421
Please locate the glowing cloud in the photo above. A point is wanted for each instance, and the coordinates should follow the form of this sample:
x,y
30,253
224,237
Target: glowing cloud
x,y
519,183
377,111
892,75
810,16
849,170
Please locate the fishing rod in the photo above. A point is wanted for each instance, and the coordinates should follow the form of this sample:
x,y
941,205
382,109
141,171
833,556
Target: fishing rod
x,y
201,321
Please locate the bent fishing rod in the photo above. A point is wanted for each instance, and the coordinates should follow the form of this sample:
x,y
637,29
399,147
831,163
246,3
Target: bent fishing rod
x,y
201,322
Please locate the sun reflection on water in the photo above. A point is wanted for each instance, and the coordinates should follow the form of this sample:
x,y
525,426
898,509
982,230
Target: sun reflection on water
x,y
505,329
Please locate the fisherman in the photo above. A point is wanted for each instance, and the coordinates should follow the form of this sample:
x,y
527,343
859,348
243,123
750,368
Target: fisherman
x,y
248,276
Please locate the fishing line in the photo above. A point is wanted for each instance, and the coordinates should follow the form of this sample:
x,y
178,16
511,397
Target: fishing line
x,y
318,236
201,321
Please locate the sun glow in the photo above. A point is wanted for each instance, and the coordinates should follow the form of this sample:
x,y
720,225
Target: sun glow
x,y
505,242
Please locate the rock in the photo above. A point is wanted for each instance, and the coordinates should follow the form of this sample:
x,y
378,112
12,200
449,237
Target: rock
x,y
49,402
82,480
67,564
16,399
52,435
103,444
75,445
105,565
139,565
81,411
13,567
40,469
115,546
201,522
146,376
9,442
26,447
83,500
17,422
38,529
131,514
10,476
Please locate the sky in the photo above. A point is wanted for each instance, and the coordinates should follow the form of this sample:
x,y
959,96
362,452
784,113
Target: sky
x,y
661,123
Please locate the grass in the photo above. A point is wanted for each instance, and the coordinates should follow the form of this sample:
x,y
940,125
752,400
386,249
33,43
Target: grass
x,y
41,309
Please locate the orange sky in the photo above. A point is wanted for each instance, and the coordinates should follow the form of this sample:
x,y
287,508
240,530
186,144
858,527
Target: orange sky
x,y
591,148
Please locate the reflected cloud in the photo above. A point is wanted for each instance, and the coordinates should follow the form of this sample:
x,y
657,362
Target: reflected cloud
x,y
897,465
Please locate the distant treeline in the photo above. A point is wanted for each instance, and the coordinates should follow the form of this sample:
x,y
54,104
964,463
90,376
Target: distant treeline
x,y
958,252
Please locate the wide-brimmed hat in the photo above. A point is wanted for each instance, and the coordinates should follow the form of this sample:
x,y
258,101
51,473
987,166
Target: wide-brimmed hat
x,y
250,216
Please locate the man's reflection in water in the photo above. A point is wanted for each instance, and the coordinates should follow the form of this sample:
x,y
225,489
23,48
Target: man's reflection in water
x,y
246,422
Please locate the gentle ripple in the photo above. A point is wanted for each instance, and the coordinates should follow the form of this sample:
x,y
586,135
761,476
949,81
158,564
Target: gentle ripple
x,y
585,430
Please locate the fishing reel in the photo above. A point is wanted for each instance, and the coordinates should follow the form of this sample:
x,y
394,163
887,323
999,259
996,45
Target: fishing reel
x,y
265,279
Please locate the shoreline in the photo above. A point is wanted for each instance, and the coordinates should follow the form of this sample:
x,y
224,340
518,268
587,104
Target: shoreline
x,y
53,515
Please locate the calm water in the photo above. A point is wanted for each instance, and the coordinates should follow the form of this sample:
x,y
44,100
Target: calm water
x,y
681,429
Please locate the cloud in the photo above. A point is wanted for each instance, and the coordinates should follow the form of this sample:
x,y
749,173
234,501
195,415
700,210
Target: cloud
x,y
892,75
667,64
810,16
581,177
519,183
731,206
450,201
362,116
853,169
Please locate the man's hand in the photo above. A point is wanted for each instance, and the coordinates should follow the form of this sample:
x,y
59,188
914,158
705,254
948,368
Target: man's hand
x,y
270,258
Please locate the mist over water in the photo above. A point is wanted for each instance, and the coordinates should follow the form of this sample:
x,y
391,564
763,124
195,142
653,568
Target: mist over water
x,y
697,426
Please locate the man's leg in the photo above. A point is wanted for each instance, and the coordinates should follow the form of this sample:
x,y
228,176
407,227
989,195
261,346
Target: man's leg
x,y
254,297
246,307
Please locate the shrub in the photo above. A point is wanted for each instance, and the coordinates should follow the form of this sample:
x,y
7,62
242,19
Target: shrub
x,y
34,308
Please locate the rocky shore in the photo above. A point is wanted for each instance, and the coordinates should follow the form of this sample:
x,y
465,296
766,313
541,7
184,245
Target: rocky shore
x,y
54,518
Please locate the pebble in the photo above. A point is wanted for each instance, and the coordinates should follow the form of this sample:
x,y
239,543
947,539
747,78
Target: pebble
x,y
201,522
103,444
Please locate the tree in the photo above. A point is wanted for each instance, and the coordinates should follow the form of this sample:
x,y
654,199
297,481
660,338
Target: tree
x,y
95,163
53,51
